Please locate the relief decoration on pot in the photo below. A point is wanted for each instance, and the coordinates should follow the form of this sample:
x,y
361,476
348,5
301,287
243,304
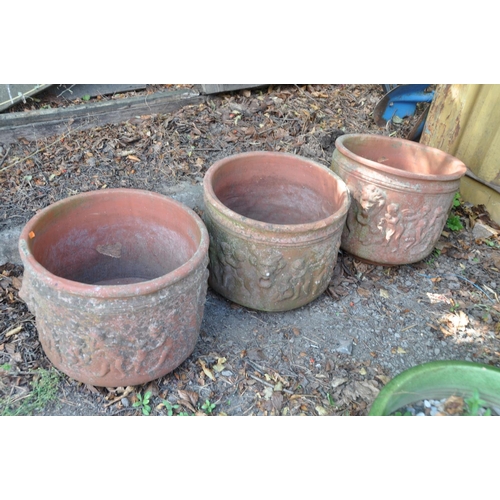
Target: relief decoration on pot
x,y
121,351
385,223
238,266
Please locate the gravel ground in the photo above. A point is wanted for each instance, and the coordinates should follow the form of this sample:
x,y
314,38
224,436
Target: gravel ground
x,y
330,357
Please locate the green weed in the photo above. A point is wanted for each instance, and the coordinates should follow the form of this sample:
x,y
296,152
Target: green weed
x,y
474,405
453,223
208,407
143,403
433,257
43,391
169,407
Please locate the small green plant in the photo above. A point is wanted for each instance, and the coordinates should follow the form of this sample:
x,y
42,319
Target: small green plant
x,y
86,97
491,243
170,407
43,391
474,404
453,223
208,407
432,257
330,399
143,403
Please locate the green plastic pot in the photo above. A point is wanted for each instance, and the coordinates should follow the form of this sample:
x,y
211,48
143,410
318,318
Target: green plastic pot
x,y
438,380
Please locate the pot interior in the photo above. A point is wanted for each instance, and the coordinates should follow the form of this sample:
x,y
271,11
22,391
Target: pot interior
x,y
277,189
116,238
402,155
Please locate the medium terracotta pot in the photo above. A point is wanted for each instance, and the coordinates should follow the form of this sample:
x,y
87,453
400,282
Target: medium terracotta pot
x,y
275,221
402,193
117,281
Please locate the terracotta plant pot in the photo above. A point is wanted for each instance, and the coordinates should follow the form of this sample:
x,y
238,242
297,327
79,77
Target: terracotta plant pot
x,y
275,221
402,193
438,380
117,281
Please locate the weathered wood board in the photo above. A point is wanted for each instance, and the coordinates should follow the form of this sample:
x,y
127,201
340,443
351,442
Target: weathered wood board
x,y
76,91
33,125
214,88
12,93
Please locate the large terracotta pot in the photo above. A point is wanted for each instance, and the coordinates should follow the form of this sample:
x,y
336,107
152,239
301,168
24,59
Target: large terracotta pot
x,y
402,193
117,281
275,221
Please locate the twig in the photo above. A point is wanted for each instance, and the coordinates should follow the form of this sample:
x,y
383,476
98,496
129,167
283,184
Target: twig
x,y
267,383
408,327
5,157
14,331
255,366
306,95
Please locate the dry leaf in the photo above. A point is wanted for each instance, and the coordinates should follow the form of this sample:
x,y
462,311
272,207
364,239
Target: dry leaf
x,y
321,411
384,293
207,371
366,390
336,382
189,399
277,400
114,250
268,392
220,365
16,283
454,405
364,292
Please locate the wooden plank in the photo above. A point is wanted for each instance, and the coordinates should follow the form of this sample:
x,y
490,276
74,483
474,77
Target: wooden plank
x,y
214,88
12,93
76,91
33,125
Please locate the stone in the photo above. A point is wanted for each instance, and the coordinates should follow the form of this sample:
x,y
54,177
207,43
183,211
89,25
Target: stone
x,y
482,231
8,246
344,347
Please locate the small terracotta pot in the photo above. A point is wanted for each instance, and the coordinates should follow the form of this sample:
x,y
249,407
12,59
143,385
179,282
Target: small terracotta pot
x,y
275,221
402,193
117,281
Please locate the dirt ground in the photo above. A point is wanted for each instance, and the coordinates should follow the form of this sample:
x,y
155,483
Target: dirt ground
x,y
330,357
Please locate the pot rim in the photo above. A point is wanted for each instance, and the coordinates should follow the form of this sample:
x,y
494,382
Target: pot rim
x,y
266,226
113,291
437,379
461,168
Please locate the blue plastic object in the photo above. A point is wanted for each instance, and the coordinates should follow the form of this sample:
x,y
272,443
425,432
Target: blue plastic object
x,y
401,102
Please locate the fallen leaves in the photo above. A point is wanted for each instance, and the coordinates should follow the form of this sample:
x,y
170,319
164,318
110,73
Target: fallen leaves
x,y
451,324
206,370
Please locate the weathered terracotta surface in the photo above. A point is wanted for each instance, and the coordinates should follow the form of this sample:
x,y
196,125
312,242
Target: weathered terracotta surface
x,y
117,281
275,222
402,193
